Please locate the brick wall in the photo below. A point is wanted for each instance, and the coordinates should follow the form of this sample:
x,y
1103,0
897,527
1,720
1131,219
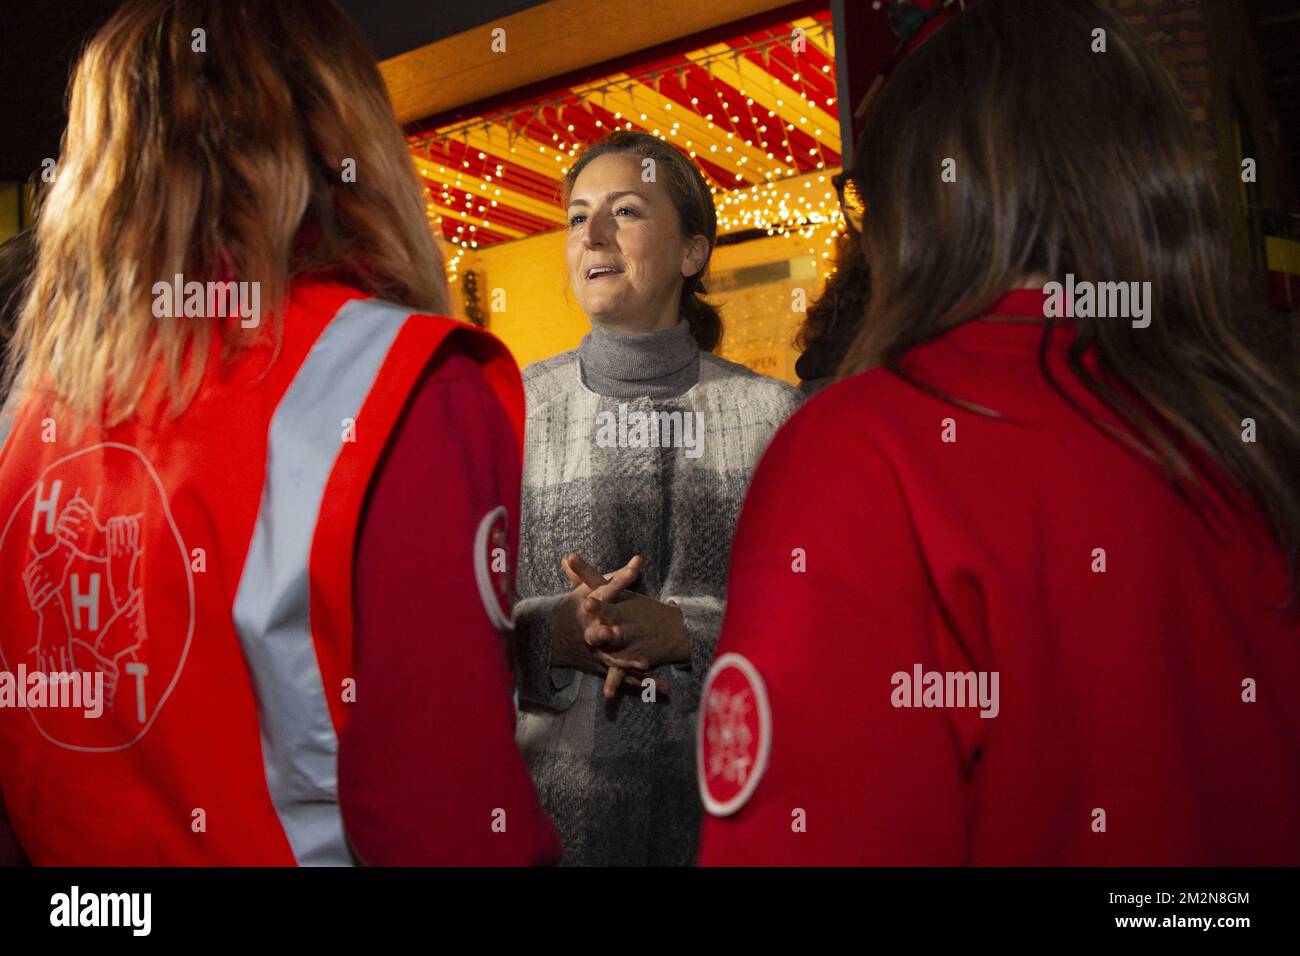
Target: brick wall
x,y
1209,46
1176,29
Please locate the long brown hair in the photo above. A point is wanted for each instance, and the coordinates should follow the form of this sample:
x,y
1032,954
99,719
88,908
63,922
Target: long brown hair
x,y
690,195
220,163
1071,161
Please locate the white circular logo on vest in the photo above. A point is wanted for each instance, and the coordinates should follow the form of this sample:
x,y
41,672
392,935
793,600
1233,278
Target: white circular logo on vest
x,y
492,566
109,597
734,737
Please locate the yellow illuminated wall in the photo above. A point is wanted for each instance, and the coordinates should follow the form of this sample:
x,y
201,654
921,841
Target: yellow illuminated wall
x,y
527,277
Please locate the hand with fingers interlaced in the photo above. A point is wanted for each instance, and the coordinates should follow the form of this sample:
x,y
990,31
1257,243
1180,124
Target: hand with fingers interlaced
x,y
603,628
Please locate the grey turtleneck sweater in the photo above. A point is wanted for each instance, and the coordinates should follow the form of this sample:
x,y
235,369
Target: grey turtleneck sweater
x,y
639,364
618,776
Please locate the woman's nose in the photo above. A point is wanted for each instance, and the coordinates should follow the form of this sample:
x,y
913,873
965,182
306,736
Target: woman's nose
x,y
599,231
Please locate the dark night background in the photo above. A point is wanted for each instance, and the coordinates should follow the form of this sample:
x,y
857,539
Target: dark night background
x,y
39,43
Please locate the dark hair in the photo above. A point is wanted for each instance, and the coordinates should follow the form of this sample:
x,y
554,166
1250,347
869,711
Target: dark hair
x,y
834,319
1070,161
693,201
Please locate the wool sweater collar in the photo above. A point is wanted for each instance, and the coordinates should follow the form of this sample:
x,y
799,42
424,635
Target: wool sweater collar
x,y
635,364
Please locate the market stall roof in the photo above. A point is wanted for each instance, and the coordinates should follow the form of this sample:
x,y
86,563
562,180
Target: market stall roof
x,y
754,109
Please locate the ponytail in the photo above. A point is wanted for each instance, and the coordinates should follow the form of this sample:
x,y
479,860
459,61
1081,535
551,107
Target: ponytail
x,y
702,317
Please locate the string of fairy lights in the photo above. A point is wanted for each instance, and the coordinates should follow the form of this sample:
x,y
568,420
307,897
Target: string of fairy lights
x,y
768,145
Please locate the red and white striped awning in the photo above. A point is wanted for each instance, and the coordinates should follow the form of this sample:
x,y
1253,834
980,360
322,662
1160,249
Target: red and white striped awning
x,y
754,110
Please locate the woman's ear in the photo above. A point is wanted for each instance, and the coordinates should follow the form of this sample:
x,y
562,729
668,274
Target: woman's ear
x,y
697,254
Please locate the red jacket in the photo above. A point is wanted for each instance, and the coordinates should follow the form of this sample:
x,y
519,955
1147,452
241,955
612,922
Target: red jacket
x,y
1144,714
203,568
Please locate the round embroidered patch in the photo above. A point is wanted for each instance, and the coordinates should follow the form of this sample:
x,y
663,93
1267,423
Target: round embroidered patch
x,y
492,566
734,738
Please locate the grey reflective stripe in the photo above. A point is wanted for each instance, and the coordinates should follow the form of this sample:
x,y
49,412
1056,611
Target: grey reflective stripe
x,y
299,746
6,425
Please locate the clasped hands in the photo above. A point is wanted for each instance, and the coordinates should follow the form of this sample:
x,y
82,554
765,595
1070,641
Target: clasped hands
x,y
603,628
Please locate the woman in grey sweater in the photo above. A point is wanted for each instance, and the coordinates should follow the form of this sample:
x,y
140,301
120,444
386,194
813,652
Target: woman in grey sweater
x,y
640,444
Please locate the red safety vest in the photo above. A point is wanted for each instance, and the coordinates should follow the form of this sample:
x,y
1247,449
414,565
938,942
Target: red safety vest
x,y
200,567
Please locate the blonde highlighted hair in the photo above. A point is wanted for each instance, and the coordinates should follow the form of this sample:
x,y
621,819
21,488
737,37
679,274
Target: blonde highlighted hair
x,y
220,165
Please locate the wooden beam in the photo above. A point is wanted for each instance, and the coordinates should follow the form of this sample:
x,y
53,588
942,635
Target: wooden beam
x,y
543,41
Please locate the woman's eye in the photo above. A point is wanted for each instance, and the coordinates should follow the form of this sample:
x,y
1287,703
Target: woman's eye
x,y
576,219
621,210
